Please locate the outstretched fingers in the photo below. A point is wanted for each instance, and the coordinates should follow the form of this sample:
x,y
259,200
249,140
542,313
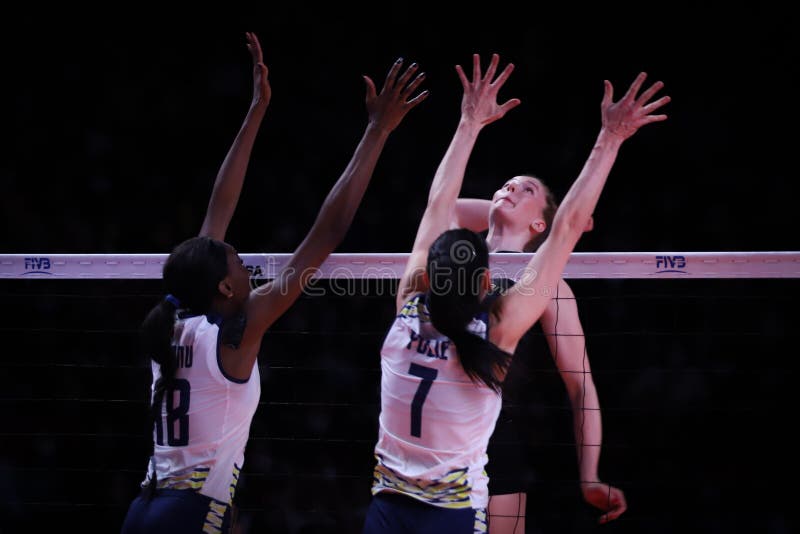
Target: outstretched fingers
x,y
387,108
652,106
635,86
647,109
498,83
411,87
490,72
624,117
653,118
391,76
402,81
479,103
476,68
261,89
649,93
462,77
417,99
254,47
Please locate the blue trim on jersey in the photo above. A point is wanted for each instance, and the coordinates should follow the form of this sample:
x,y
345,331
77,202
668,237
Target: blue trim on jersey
x,y
219,363
214,318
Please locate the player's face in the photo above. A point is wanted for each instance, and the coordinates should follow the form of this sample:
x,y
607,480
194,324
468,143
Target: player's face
x,y
239,275
520,201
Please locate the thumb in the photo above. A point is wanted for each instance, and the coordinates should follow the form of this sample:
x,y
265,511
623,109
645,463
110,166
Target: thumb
x,y
370,87
511,104
608,94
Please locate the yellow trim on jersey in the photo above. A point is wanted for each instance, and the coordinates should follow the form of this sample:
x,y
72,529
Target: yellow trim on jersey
x,y
235,481
412,309
451,491
193,480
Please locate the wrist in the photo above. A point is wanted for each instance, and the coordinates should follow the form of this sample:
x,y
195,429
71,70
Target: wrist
x,y
609,139
376,128
587,481
470,126
258,107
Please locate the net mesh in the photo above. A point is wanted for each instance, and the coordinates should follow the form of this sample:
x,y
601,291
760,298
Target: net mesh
x,y
695,379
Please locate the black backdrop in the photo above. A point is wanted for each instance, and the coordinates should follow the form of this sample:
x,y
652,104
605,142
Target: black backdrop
x,y
696,379
114,125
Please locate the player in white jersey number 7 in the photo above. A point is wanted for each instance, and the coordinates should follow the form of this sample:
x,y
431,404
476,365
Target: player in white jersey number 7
x,y
445,356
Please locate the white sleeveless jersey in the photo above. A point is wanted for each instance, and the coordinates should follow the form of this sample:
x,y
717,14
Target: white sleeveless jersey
x,y
435,422
200,438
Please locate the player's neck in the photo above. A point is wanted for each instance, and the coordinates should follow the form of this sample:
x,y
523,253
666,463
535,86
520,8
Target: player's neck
x,y
501,238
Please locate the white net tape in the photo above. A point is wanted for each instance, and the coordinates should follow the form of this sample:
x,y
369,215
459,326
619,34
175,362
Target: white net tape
x,y
646,265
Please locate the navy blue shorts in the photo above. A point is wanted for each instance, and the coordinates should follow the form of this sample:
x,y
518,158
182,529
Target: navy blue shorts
x,y
392,513
173,511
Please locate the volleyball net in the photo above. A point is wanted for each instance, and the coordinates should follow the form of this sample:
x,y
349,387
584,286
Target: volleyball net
x,y
693,355
390,266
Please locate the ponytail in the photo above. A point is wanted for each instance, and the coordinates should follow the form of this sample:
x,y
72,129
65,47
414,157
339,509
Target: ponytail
x,y
156,338
191,274
456,262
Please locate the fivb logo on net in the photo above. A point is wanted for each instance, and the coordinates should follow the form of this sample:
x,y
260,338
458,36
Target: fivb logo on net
x,y
671,264
35,265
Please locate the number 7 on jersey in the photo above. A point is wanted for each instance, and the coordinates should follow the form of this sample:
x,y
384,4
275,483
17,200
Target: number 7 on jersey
x,y
428,375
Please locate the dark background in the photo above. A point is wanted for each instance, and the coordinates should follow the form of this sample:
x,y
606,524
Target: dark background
x,y
114,126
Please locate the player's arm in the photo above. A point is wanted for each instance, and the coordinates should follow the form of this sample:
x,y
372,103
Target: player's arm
x,y
230,178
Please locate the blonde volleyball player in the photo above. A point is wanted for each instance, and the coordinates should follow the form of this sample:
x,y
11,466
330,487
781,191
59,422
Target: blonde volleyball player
x,y
518,218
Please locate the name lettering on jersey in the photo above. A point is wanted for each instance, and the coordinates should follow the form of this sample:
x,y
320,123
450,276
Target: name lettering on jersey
x,y
435,348
183,356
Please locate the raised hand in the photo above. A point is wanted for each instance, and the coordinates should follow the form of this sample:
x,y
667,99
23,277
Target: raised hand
x,y
262,92
607,498
623,118
479,103
387,108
